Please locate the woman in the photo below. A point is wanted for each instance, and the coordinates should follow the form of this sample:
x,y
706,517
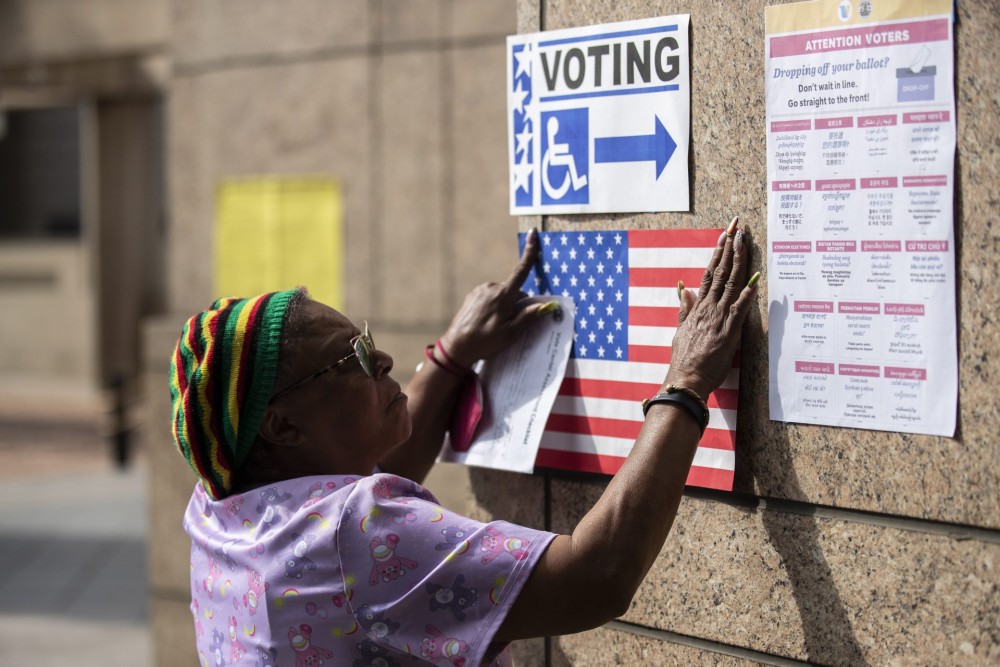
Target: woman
x,y
301,554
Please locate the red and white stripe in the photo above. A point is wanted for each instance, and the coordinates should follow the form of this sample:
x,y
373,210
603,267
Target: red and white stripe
x,y
598,413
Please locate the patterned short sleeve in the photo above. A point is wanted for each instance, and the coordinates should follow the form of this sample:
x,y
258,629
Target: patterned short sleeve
x,y
426,581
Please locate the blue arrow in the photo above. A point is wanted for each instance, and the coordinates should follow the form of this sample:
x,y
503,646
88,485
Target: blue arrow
x,y
659,147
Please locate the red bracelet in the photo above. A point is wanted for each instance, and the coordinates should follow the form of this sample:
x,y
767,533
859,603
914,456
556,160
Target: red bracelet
x,y
448,365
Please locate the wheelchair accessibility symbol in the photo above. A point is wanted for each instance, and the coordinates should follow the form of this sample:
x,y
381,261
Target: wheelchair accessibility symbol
x,y
565,157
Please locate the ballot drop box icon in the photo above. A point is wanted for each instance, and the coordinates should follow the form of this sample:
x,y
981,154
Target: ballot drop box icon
x,y
599,118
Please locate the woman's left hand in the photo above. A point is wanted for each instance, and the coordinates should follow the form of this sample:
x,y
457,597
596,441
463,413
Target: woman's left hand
x,y
491,315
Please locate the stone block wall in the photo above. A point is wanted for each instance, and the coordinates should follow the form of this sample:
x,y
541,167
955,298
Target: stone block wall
x,y
839,546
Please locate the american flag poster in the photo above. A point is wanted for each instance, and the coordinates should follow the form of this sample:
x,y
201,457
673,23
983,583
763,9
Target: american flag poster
x,y
624,284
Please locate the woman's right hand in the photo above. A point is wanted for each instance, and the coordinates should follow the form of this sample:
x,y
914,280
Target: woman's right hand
x,y
710,324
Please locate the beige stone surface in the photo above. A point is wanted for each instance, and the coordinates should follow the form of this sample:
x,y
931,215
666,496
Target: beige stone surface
x,y
224,31
605,646
477,18
483,237
409,255
319,126
36,30
817,589
410,21
173,640
170,479
913,475
507,496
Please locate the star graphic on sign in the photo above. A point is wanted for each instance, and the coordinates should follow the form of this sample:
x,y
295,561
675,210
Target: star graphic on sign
x,y
618,266
610,310
600,267
523,139
600,351
618,324
591,309
611,338
583,267
581,239
523,58
618,295
592,337
563,239
572,253
522,174
590,281
583,323
519,95
611,281
618,352
600,239
555,253
555,280
572,281
565,293
564,267
583,350
618,238
600,295
600,324
610,253
548,267
590,253
583,295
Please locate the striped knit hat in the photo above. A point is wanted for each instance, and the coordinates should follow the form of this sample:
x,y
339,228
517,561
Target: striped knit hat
x,y
221,377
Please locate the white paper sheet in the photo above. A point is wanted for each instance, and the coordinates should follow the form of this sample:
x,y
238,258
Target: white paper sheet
x,y
519,388
861,253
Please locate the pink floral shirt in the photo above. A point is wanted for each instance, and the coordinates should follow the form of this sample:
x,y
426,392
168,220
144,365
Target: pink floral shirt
x,y
338,570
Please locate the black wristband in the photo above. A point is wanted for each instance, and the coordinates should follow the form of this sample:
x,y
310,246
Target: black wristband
x,y
698,411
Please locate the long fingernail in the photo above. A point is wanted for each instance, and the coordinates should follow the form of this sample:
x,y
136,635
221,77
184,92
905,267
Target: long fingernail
x,y
738,242
722,239
532,233
550,307
732,226
753,279
680,291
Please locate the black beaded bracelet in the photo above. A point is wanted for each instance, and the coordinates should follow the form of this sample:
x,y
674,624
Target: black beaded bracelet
x,y
689,401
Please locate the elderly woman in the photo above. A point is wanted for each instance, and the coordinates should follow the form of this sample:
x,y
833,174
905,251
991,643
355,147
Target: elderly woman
x,y
312,541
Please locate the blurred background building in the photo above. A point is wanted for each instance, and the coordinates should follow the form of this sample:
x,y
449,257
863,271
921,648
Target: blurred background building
x,y
122,121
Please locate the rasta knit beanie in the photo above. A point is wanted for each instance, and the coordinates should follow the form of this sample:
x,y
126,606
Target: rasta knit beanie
x,y
221,378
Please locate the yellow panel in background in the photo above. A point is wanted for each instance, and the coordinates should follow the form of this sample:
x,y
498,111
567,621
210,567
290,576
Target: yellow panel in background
x,y
278,233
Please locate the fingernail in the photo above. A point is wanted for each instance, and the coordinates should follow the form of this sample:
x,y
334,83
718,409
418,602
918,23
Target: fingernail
x,y
680,290
753,279
738,242
550,307
532,233
732,226
722,239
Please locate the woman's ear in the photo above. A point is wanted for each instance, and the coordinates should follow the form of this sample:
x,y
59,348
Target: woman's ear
x,y
276,428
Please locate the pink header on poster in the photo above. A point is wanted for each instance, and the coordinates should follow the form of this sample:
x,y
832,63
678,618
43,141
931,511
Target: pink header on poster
x,y
905,373
813,367
859,370
858,308
880,182
904,309
881,246
926,246
877,121
924,181
836,184
836,246
791,246
834,123
814,306
898,34
926,117
784,186
791,125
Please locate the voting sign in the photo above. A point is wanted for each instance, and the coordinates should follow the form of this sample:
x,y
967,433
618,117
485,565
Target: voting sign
x,y
598,118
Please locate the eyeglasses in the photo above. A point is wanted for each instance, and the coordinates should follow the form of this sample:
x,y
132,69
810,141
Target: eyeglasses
x,y
364,349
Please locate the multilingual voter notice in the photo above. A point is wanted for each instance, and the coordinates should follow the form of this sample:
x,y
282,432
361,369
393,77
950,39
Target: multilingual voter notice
x,y
313,542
